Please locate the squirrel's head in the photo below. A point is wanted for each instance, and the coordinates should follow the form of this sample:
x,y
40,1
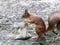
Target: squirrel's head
x,y
26,14
28,17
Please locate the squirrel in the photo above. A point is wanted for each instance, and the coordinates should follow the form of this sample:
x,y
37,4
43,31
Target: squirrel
x,y
40,27
54,21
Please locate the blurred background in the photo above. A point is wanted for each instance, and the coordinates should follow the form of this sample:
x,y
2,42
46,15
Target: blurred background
x,y
11,12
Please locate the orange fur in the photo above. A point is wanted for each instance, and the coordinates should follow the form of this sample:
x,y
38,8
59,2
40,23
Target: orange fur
x,y
40,27
37,20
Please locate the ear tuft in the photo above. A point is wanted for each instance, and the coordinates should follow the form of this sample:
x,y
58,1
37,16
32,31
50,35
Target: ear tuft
x,y
26,10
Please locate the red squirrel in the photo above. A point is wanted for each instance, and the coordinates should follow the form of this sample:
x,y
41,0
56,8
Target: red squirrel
x,y
40,27
54,21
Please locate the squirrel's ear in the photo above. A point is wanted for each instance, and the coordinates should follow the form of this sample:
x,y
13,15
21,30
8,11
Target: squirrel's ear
x,y
26,10
25,14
